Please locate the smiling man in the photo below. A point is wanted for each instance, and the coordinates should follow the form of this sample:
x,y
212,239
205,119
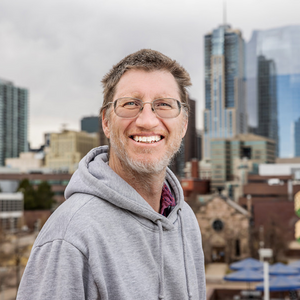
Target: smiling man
x,y
124,231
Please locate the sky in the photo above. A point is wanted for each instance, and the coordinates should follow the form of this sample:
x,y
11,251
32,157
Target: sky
x,y
60,50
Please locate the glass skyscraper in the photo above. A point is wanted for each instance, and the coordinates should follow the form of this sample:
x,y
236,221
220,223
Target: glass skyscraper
x,y
225,111
13,120
277,94
297,138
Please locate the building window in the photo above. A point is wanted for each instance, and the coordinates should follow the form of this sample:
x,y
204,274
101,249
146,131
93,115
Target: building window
x,y
217,225
237,248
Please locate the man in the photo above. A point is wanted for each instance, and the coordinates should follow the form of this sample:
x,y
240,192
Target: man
x,y
124,231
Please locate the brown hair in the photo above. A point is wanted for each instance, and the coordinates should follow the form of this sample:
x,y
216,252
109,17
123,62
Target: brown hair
x,y
148,60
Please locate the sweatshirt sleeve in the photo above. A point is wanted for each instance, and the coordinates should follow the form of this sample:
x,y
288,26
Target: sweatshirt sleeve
x,y
57,270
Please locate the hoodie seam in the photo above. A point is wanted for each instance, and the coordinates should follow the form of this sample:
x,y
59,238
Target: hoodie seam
x,y
75,213
62,240
69,243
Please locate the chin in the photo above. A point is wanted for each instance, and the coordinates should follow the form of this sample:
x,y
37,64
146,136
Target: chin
x,y
147,167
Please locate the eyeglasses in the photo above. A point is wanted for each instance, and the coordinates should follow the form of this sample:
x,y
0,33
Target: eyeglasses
x,y
165,108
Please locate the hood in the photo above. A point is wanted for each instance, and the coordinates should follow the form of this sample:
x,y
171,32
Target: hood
x,y
95,177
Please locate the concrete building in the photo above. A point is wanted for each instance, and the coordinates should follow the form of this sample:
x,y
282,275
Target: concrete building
x,y
11,211
225,108
13,120
68,148
224,152
26,162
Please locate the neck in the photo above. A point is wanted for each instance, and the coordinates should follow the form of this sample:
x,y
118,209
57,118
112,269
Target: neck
x,y
149,186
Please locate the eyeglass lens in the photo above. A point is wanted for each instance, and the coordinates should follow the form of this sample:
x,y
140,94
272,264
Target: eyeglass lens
x,y
130,107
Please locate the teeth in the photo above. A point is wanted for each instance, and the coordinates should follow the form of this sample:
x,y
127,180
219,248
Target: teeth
x,y
147,139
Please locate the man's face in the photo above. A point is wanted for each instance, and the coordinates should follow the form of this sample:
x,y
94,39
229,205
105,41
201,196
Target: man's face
x,y
128,150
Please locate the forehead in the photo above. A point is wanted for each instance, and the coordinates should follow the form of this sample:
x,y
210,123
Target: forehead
x,y
142,84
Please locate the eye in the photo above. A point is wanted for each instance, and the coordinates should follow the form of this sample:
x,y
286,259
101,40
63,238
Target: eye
x,y
130,103
164,104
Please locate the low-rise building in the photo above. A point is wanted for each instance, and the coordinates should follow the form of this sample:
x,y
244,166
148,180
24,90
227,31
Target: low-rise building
x,y
26,162
11,211
225,229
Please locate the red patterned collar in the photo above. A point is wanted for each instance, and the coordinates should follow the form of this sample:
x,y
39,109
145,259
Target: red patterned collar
x,y
167,201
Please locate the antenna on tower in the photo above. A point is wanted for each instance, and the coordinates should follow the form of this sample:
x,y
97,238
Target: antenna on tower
x,y
224,12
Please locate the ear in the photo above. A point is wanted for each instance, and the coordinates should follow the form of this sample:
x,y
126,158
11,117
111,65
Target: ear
x,y
105,124
184,128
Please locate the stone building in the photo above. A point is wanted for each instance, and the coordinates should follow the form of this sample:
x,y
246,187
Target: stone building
x,y
225,229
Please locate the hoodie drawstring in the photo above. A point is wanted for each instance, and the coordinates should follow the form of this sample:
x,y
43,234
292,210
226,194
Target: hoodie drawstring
x,y
184,255
161,295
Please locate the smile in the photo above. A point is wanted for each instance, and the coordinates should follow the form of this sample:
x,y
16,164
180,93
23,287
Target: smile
x,y
146,139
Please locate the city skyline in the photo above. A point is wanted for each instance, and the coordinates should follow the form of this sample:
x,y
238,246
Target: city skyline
x,y
60,51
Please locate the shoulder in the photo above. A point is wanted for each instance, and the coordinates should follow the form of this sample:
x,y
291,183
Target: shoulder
x,y
69,217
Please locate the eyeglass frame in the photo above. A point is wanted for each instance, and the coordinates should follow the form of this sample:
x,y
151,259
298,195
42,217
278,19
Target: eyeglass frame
x,y
180,105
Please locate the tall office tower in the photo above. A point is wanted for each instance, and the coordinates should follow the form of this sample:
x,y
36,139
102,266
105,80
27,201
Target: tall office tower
x,y
188,149
225,108
267,99
92,124
297,138
282,47
190,139
13,120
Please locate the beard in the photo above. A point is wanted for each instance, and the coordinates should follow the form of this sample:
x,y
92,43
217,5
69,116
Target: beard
x,y
147,166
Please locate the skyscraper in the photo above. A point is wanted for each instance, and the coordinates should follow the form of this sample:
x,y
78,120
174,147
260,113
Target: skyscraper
x,y
281,46
93,124
297,138
267,100
13,120
225,112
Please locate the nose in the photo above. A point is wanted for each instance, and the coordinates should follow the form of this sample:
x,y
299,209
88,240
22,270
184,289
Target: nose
x,y
147,118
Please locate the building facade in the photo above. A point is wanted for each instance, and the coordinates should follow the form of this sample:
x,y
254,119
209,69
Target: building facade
x,y
225,111
297,138
68,148
90,124
279,48
13,120
11,211
224,153
267,100
93,124
225,230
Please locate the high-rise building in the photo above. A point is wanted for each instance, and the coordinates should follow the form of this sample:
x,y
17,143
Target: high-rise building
x,y
190,139
13,120
226,152
297,138
267,99
188,149
279,48
92,124
225,111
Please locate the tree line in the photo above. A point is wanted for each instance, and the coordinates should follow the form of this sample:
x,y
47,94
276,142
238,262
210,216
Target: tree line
x,y
36,198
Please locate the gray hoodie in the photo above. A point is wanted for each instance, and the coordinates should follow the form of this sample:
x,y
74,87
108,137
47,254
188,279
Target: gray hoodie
x,y
106,242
